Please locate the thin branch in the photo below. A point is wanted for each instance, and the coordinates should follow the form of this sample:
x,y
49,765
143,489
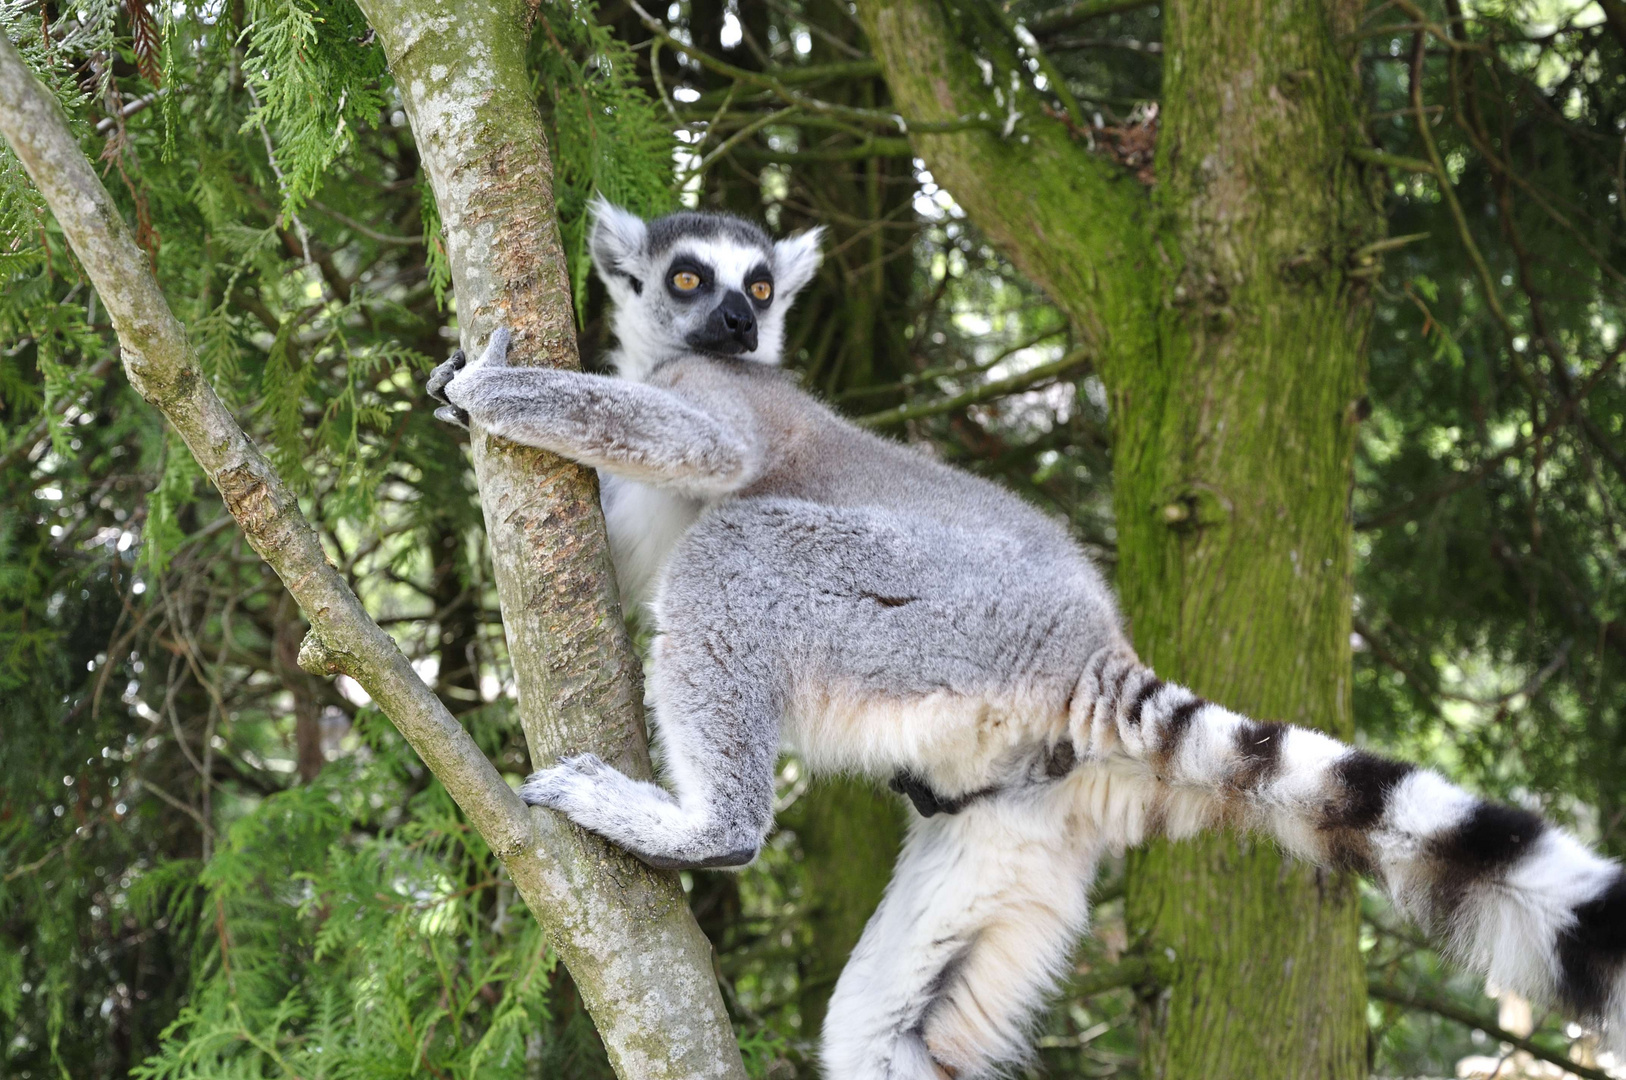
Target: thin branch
x,y
162,367
793,96
25,445
824,35
1437,166
984,392
1555,419
883,147
1061,45
1393,161
1053,76
1079,12
185,808
780,117
282,181
1130,971
911,381
365,230
1435,30
1451,1011
107,123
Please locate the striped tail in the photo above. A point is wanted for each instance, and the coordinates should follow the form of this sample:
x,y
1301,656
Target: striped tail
x,y
1516,899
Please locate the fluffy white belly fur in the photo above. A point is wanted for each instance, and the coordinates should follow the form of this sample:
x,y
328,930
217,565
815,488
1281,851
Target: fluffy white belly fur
x,y
644,523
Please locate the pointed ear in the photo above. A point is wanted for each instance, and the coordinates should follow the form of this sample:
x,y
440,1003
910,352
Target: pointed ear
x,y
616,241
795,260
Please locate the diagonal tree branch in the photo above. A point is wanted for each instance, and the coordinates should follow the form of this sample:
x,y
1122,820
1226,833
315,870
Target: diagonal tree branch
x,y
1439,1006
642,965
1011,384
161,366
1071,220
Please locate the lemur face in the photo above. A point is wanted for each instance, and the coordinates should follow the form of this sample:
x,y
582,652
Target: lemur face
x,y
691,282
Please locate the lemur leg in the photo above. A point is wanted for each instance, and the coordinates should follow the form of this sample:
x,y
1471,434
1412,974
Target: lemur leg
x,y
976,927
638,431
717,720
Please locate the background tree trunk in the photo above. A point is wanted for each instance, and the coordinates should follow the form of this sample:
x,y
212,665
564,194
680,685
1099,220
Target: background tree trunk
x,y
1233,452
1230,333
849,835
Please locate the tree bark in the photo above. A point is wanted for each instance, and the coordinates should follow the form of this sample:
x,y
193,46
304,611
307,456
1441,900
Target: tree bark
x,y
1073,222
643,967
160,364
1233,456
1230,324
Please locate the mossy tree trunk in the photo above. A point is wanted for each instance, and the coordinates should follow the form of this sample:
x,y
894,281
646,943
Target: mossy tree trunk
x,y
1234,444
849,833
1228,309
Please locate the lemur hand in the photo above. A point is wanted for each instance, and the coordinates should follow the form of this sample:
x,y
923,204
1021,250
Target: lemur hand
x,y
440,380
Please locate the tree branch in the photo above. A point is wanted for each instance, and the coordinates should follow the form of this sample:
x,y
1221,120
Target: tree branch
x,y
811,104
640,962
1068,218
624,930
1452,1011
983,392
162,367
1079,12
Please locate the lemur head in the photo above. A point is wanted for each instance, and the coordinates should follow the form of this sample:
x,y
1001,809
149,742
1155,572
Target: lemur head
x,y
697,283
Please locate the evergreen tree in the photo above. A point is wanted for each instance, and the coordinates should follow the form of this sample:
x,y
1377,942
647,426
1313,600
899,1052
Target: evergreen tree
x,y
213,863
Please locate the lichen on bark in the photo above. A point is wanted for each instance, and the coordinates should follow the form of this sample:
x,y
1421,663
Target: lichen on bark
x,y
625,932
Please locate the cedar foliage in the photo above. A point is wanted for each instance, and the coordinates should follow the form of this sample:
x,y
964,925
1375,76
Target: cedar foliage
x,y
178,898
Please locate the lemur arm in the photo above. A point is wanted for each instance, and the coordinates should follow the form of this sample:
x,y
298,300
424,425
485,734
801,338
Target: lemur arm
x,y
642,432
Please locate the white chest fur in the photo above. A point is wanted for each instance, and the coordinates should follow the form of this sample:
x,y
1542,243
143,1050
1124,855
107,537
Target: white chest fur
x,y
645,523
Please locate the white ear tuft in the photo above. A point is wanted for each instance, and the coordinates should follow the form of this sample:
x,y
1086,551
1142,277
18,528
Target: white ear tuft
x,y
795,260
616,240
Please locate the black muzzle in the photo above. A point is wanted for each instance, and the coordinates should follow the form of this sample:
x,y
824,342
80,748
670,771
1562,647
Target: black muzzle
x,y
730,329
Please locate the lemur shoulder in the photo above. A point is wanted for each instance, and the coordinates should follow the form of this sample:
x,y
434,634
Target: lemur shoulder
x,y
882,613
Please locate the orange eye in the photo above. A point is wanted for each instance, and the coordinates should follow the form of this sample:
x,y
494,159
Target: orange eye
x,y
686,281
762,290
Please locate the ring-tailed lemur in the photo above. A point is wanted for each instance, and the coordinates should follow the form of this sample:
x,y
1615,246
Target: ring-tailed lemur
x,y
887,615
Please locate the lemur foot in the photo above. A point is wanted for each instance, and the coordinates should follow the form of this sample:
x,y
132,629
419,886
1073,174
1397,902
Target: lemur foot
x,y
569,787
636,816
438,380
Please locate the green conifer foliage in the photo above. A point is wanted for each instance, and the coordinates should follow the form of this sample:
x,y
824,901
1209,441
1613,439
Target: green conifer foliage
x,y
176,897
213,864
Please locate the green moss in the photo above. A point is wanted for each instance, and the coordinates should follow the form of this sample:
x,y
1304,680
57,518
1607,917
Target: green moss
x,y
1232,345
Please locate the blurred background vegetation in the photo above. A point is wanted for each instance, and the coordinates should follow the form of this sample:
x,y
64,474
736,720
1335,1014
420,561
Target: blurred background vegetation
x,y
213,864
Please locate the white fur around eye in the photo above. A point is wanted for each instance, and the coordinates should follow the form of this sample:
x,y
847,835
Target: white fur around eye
x,y
731,263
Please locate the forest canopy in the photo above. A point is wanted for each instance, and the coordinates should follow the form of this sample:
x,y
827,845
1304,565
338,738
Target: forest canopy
x,y
213,862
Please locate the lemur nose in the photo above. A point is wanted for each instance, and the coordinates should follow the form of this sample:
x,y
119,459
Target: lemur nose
x,y
738,317
739,322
